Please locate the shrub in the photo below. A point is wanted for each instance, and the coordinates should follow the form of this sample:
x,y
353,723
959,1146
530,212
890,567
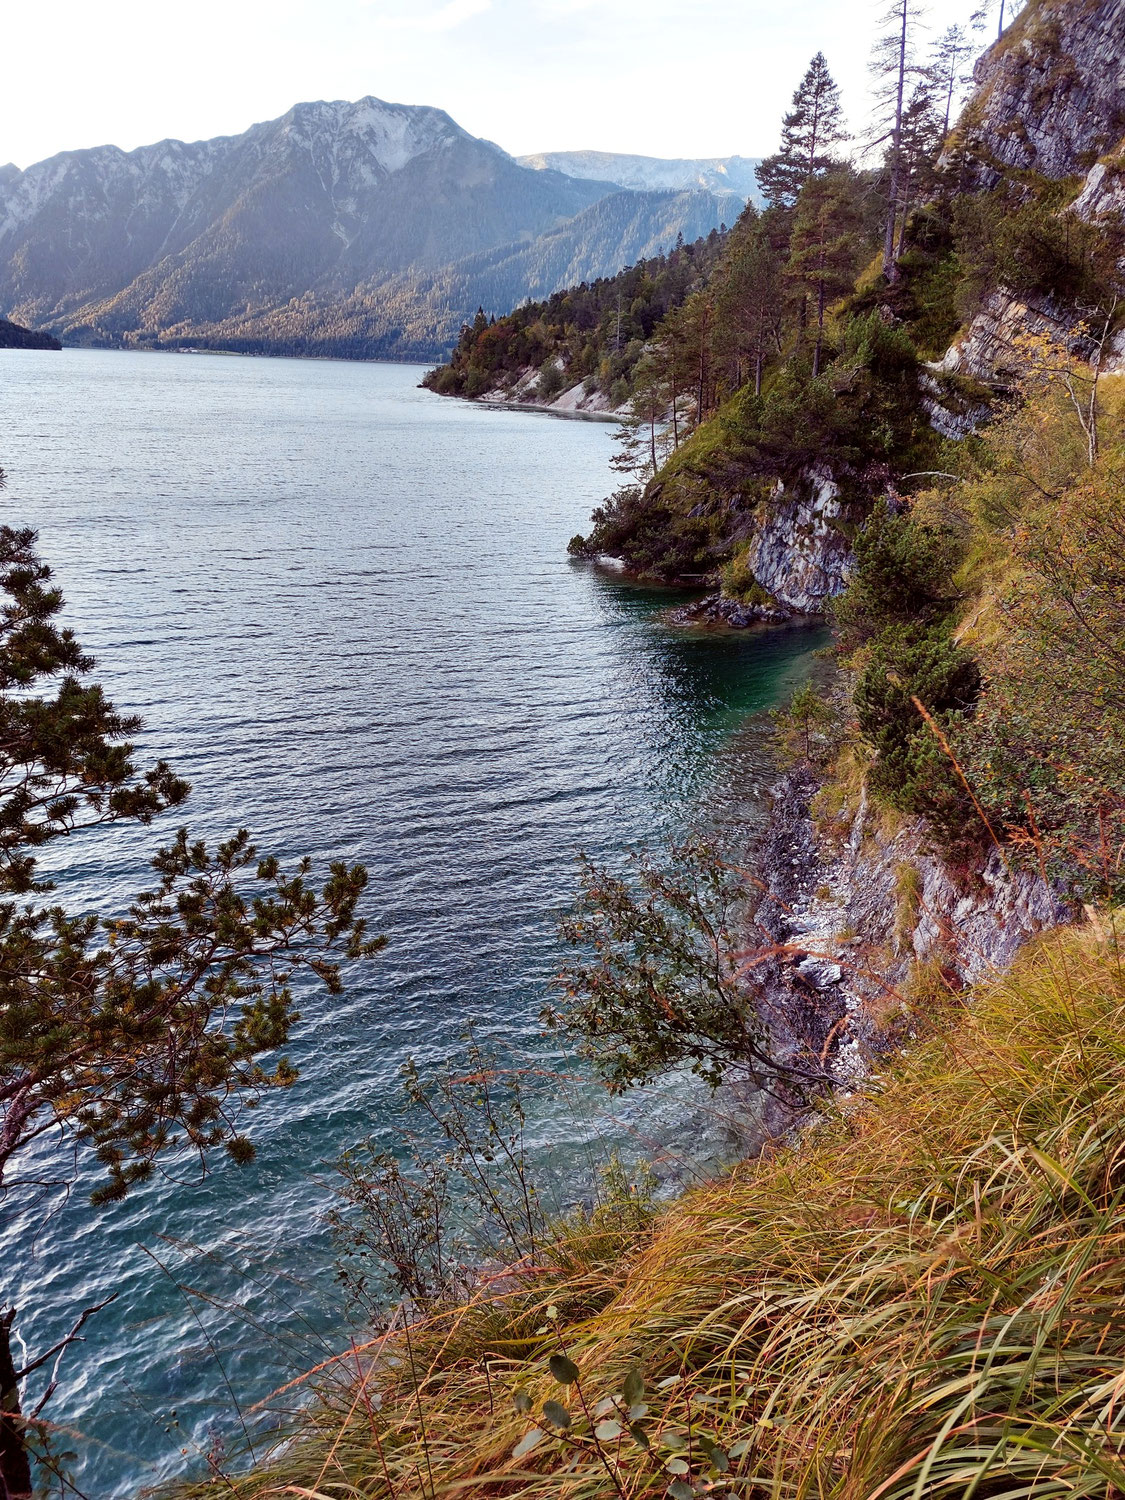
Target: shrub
x,y
903,575
552,380
911,770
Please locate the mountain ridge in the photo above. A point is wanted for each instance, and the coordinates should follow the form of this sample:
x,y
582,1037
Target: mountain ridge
x,y
179,243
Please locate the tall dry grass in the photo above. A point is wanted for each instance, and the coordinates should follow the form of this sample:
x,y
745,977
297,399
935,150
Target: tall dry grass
x,y
924,1297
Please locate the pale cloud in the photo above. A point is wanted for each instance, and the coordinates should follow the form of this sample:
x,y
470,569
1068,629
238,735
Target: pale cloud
x,y
446,18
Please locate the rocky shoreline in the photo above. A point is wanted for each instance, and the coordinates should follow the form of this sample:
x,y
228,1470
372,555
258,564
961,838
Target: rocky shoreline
x,y
718,611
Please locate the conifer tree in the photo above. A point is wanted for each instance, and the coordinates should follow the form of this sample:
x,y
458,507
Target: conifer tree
x,y
810,134
750,307
825,246
947,71
919,145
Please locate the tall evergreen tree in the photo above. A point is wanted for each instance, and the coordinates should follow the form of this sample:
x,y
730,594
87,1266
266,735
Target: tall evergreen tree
x,y
810,134
920,142
948,72
826,244
750,308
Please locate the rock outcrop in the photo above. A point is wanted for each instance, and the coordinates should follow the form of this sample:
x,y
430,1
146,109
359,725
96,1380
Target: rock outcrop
x,y
1050,101
857,909
1050,96
801,554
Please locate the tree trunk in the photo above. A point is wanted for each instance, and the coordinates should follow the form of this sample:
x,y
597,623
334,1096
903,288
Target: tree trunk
x,y
15,1468
889,269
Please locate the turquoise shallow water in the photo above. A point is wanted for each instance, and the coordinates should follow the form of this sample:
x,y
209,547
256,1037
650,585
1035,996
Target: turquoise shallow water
x,y
344,609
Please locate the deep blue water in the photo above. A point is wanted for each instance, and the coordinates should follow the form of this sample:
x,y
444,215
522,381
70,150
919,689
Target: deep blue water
x,y
344,608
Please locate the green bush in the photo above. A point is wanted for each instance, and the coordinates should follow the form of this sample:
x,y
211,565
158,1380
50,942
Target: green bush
x,y
903,574
912,771
739,581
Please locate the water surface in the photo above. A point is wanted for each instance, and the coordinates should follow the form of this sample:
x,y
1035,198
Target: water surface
x,y
344,608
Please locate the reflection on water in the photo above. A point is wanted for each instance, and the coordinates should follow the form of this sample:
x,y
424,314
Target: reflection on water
x,y
344,608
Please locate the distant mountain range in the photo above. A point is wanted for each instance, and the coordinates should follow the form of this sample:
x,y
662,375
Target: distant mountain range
x,y
737,175
360,229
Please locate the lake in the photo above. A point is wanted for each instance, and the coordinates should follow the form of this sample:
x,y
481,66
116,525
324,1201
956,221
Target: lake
x,y
344,608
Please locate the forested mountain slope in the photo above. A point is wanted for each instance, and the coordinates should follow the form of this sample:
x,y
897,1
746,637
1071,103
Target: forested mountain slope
x,y
216,242
14,336
588,339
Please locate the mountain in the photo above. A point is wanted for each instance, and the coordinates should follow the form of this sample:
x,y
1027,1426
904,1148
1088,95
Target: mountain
x,y
13,336
714,174
178,244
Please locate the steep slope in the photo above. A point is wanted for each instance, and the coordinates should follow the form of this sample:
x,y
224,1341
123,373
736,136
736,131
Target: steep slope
x,y
13,336
616,231
1050,95
175,243
714,174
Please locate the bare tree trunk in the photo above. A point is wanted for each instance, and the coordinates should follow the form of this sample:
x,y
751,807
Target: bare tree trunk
x,y
896,153
15,1468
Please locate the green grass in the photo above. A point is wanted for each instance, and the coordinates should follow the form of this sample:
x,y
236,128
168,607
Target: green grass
x,y
922,1298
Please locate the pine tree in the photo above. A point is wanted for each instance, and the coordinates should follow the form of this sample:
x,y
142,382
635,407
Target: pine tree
x,y
750,307
825,246
947,71
134,1035
810,132
920,142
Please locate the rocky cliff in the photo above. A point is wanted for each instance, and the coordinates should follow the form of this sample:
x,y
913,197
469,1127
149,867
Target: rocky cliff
x,y
1050,94
1049,103
867,916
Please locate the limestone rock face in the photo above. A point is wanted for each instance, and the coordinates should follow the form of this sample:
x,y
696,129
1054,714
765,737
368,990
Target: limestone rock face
x,y
1050,94
801,554
985,349
857,908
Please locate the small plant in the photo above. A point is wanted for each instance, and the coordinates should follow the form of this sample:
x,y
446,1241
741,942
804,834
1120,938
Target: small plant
x,y
660,978
908,902
739,581
806,726
421,1227
617,1436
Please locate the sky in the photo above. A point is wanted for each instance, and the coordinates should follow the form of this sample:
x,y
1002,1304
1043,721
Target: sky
x,y
656,77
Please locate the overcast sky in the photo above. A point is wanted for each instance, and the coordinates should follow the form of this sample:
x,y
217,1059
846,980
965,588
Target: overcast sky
x,y
659,77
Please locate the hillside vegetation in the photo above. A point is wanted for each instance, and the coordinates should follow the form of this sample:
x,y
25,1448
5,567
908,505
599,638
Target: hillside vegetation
x,y
921,1298
596,332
